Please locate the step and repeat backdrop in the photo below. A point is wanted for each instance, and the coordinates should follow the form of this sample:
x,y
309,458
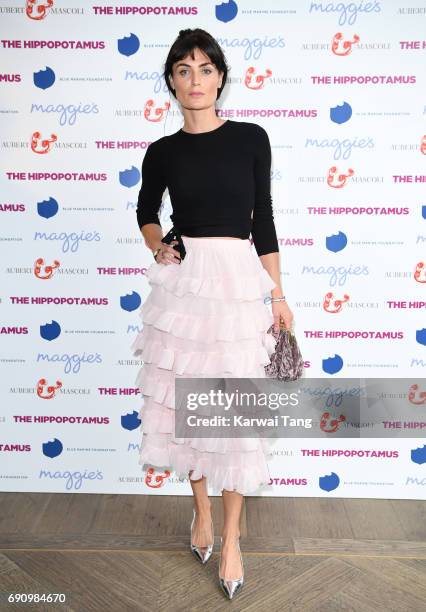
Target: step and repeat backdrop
x,y
340,89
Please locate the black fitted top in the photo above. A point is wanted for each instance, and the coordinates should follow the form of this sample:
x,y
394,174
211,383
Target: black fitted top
x,y
219,183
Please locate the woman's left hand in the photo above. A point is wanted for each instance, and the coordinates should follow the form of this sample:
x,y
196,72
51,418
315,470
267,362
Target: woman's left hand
x,y
282,312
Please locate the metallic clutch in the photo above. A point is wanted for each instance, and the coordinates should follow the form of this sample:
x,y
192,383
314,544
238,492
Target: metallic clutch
x,y
286,362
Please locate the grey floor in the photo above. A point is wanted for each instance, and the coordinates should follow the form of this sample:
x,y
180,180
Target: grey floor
x,y
128,552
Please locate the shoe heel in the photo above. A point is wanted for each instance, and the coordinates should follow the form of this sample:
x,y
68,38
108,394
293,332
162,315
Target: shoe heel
x,y
231,587
202,553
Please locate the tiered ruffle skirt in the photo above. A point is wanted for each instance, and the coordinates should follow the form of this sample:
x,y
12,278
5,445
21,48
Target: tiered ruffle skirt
x,y
204,317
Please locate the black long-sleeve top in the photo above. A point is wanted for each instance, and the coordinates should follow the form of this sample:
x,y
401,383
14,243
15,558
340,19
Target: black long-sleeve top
x,y
219,183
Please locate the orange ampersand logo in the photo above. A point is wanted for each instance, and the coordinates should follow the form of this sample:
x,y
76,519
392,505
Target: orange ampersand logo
x,y
332,304
49,393
419,272
345,44
341,178
157,112
413,391
333,424
41,9
47,270
423,145
159,478
259,80
45,144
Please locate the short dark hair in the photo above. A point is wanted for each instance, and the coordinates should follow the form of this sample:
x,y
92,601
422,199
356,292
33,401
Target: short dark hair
x,y
185,44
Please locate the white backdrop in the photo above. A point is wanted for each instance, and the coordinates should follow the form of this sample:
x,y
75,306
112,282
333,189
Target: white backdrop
x,y
339,86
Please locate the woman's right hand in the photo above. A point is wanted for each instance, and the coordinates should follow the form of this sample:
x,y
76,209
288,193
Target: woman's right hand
x,y
167,254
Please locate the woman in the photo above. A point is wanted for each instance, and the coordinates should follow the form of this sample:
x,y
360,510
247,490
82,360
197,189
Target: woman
x,y
205,315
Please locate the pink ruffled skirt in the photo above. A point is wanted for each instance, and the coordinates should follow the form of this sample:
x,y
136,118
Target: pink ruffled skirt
x,y
204,317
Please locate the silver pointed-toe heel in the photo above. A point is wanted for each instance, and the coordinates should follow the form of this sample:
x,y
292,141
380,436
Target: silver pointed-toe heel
x,y
202,553
231,587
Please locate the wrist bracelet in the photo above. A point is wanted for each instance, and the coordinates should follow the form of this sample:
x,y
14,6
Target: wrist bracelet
x,y
268,300
155,253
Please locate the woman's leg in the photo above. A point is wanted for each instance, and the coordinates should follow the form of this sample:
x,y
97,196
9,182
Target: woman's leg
x,y
202,531
230,567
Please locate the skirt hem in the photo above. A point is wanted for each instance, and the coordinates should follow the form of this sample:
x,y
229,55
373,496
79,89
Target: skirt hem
x,y
205,317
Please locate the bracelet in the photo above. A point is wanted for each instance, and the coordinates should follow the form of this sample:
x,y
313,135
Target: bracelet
x,y
268,300
155,253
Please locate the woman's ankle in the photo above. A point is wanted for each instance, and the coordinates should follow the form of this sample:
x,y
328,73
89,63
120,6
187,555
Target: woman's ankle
x,y
202,508
230,534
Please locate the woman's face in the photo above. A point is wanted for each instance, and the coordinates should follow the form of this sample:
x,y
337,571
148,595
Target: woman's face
x,y
196,75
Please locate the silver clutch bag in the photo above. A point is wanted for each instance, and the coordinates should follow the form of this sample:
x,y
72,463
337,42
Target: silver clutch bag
x,y
286,361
